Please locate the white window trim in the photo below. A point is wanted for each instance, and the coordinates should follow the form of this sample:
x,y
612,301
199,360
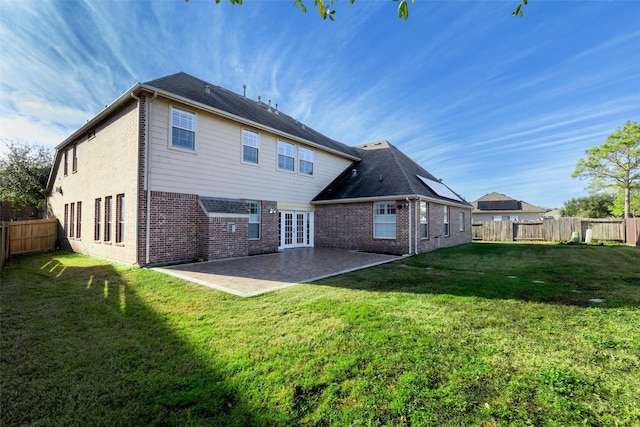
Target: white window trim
x,y
170,141
300,159
257,147
447,220
426,223
259,219
278,156
375,209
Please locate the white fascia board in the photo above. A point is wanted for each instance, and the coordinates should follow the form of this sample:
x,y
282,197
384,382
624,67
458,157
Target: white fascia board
x,y
396,197
244,121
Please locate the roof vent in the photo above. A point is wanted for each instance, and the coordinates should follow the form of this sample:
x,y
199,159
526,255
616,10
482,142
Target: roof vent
x,y
380,179
269,109
244,90
207,89
277,109
354,173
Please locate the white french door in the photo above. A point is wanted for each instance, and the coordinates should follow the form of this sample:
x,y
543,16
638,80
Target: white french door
x,y
296,229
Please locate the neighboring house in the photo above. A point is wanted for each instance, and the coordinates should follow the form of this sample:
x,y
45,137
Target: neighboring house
x,y
178,169
498,207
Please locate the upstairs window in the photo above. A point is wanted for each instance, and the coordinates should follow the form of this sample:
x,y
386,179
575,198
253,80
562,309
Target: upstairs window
x,y
66,162
250,147
384,220
254,219
286,156
424,220
183,129
306,161
74,160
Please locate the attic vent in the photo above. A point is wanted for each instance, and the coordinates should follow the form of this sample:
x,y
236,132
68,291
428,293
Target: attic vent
x,y
207,89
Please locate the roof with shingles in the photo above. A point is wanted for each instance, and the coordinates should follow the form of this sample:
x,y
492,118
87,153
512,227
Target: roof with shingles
x,y
383,171
224,206
495,197
192,88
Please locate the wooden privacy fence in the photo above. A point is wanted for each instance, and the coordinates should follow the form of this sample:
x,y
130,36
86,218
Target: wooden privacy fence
x,y
551,230
633,231
20,237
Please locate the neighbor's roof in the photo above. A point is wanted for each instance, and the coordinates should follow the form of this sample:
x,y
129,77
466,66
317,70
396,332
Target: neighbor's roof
x,y
192,88
498,202
384,172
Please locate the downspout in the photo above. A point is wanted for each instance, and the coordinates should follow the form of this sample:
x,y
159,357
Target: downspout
x,y
410,227
138,189
147,171
417,204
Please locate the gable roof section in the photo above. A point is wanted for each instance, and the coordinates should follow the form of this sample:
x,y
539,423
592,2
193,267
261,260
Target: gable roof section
x,y
194,89
500,203
383,172
216,205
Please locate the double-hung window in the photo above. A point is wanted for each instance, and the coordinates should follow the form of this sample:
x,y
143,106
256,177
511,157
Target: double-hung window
x,y
79,220
108,201
424,220
250,147
98,220
306,161
183,129
446,220
72,223
119,218
286,156
66,220
384,220
74,160
254,219
461,219
66,162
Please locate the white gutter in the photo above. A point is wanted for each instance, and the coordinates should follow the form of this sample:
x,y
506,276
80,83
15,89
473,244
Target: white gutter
x,y
396,197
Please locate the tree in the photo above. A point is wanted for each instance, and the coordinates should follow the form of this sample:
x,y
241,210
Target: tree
x,y
617,209
325,7
24,171
614,164
594,206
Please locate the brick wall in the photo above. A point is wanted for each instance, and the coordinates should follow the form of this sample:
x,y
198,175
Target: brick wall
x,y
218,242
174,227
350,226
268,241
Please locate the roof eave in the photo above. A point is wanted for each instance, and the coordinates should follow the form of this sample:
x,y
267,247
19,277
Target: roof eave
x,y
392,197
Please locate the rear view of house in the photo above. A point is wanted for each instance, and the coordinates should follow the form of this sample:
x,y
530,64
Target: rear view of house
x,y
179,169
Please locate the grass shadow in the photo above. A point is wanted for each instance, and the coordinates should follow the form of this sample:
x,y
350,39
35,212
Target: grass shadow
x,y
546,273
80,347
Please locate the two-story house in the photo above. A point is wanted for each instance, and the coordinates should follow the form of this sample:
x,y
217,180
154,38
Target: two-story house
x,y
179,169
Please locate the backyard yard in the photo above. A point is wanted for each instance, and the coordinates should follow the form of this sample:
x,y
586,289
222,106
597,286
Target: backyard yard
x,y
484,334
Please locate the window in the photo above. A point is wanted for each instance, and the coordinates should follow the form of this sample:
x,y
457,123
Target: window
x,y
107,218
250,146
72,222
78,220
424,220
98,220
384,220
446,221
254,219
119,218
183,129
66,162
286,156
66,220
461,219
513,217
74,160
497,217
306,161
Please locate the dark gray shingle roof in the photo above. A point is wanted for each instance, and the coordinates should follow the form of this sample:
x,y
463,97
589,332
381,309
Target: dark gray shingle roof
x,y
383,171
192,88
225,206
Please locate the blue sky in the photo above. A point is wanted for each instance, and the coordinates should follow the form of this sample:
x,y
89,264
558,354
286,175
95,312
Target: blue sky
x,y
483,100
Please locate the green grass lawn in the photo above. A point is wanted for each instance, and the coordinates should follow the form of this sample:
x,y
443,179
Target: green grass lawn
x,y
481,334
